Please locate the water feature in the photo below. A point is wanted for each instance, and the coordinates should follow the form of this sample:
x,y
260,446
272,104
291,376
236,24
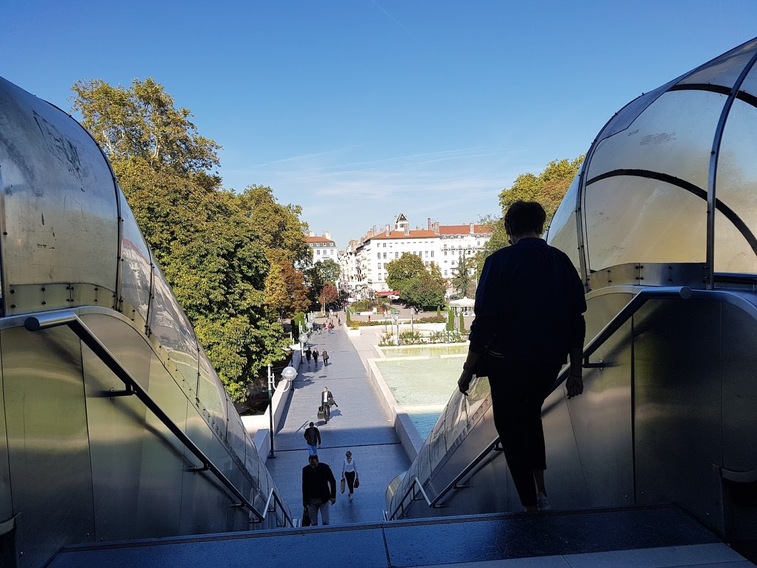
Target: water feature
x,y
422,379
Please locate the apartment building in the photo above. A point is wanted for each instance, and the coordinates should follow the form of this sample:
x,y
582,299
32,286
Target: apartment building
x,y
364,262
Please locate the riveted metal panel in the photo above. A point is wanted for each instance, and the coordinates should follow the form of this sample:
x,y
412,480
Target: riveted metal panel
x,y
48,443
59,214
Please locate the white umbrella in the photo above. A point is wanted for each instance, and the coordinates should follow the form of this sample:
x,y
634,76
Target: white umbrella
x,y
462,303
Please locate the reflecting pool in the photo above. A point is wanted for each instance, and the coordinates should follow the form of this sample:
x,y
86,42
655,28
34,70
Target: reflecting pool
x,y
422,384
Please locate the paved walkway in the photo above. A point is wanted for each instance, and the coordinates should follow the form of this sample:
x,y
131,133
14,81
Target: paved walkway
x,y
359,424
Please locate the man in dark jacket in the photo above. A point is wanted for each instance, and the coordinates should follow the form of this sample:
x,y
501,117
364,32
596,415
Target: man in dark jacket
x,y
529,318
318,490
313,439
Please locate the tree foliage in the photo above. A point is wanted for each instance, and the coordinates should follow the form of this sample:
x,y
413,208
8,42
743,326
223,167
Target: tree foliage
x,y
403,269
548,188
419,287
277,227
322,273
328,295
463,283
215,247
142,122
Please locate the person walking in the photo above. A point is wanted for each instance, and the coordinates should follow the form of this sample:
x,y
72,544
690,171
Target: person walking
x,y
325,356
313,439
308,354
318,490
529,317
315,358
349,473
327,401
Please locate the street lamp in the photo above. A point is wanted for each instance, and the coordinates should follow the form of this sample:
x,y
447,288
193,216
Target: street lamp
x,y
288,374
271,388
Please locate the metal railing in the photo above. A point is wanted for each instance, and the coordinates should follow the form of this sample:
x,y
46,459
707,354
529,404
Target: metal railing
x,y
646,294
70,319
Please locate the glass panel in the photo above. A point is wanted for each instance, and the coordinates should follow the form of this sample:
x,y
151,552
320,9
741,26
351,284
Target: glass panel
x,y
725,69
211,394
633,219
135,263
666,138
169,323
737,189
562,230
236,435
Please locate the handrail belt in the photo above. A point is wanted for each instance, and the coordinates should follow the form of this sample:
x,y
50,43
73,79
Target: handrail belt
x,y
70,319
671,292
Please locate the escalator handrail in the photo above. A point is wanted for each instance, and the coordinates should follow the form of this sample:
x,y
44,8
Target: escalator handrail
x,y
72,320
634,304
415,482
639,299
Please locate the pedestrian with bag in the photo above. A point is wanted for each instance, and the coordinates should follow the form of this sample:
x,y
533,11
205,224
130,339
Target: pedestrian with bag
x,y
529,318
318,490
325,356
349,473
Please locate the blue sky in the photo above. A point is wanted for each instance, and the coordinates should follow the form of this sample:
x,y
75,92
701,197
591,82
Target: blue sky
x,y
358,110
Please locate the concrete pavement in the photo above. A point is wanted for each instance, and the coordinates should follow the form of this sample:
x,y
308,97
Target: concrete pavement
x,y
359,424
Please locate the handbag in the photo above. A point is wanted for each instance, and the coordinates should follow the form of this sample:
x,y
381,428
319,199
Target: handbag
x,y
341,486
305,517
357,482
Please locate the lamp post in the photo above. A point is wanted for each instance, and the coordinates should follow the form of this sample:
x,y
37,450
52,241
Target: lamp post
x,y
271,388
288,374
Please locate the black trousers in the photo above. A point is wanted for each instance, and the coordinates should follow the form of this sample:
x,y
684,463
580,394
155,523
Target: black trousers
x,y
518,391
350,477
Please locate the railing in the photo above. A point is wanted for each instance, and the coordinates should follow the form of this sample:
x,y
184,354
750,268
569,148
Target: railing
x,y
415,482
667,292
70,319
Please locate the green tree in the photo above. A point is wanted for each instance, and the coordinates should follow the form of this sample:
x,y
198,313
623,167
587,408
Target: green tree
x,y
277,227
321,274
330,270
402,270
548,188
285,293
142,122
426,290
205,239
462,282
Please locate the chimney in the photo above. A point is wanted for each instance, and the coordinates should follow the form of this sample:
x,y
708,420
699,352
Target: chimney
x,y
327,234
472,229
